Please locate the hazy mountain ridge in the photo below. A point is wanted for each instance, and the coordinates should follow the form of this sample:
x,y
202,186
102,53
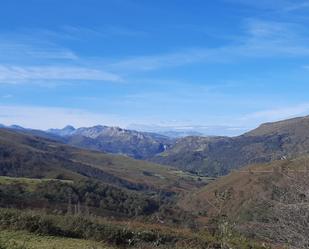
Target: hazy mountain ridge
x,y
115,140
66,131
139,145
218,155
213,155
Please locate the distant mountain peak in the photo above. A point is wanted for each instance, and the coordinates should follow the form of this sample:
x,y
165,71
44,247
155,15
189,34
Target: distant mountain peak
x,y
16,127
65,131
69,127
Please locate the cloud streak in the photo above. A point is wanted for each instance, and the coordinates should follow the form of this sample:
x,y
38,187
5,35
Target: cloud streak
x,y
274,5
21,49
18,74
262,39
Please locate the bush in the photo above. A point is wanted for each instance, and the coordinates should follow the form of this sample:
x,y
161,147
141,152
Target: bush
x,y
76,227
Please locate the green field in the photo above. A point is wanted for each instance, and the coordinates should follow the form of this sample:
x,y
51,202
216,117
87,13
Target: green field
x,y
25,240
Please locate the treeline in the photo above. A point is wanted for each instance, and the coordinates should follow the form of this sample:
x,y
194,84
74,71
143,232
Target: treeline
x,y
85,196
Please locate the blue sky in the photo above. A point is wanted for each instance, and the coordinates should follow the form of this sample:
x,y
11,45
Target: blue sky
x,y
221,66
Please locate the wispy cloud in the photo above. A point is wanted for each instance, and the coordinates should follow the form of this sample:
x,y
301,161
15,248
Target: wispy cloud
x,y
298,6
306,67
18,74
105,31
45,43
21,49
275,5
261,39
7,96
152,62
275,39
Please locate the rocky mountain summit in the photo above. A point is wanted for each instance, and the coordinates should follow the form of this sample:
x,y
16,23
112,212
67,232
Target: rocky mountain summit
x,y
139,145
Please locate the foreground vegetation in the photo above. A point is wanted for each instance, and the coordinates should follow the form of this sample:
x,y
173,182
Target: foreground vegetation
x,y
112,233
26,240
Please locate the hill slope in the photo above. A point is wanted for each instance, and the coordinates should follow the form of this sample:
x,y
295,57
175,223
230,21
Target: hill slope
x,y
218,155
24,155
266,201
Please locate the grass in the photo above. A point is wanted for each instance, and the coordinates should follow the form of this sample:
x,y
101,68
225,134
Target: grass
x,y
26,240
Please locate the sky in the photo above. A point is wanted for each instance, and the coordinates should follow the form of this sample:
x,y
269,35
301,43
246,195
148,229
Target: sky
x,y
221,67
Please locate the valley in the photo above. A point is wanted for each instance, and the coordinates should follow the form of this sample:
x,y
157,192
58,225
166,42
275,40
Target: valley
x,y
85,196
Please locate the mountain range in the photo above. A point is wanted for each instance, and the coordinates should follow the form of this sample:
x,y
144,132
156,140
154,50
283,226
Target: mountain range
x,y
24,155
210,156
138,145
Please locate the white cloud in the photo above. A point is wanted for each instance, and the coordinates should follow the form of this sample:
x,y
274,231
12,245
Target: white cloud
x,y
18,74
208,130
